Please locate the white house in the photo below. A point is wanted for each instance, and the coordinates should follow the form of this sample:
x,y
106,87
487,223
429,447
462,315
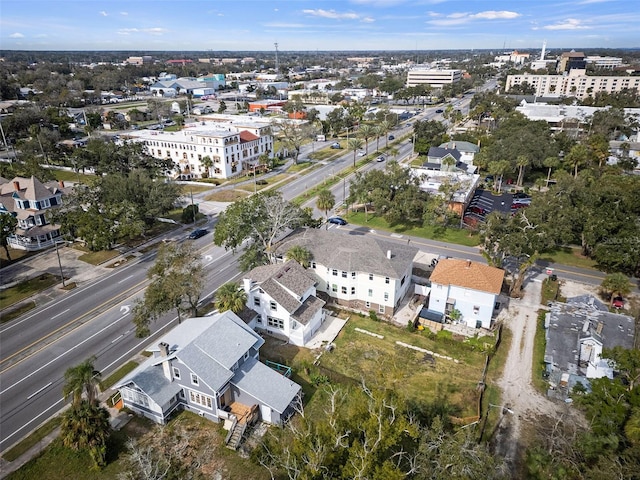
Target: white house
x,y
356,271
210,366
469,287
284,298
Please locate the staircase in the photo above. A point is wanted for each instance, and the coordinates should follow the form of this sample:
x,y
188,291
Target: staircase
x,y
235,437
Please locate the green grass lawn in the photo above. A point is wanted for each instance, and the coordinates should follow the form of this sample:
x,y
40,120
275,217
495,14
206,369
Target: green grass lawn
x,y
13,295
450,235
97,258
538,365
570,256
551,291
119,374
68,176
226,196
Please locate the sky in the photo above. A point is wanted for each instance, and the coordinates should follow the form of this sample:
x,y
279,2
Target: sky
x,y
316,25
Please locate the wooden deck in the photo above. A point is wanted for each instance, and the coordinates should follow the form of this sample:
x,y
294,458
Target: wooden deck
x,y
243,413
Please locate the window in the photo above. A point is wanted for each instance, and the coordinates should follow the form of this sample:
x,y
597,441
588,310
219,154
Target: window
x,y
402,281
256,301
367,304
176,373
246,355
275,322
334,272
344,274
386,296
353,275
353,290
381,308
200,399
371,276
334,287
135,397
370,292
344,290
194,379
476,310
273,305
386,280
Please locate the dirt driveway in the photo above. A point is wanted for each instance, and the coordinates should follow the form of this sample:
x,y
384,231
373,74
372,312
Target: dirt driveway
x,y
524,404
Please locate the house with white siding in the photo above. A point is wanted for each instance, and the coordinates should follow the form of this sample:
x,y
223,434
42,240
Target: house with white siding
x,y
283,296
356,271
209,366
471,288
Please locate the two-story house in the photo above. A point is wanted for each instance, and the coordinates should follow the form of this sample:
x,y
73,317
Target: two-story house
x,y
29,200
210,366
357,271
471,288
284,299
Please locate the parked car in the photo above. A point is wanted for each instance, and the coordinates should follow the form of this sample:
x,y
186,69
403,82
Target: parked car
x,y
200,232
618,302
521,196
337,220
336,146
380,158
391,137
439,110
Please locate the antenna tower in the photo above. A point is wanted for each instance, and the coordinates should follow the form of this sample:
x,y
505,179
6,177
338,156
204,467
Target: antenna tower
x,y
277,66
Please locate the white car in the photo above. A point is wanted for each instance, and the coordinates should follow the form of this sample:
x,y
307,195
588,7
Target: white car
x,y
361,153
380,158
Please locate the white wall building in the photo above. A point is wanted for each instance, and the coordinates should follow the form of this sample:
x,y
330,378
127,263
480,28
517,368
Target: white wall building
x,y
437,78
469,287
575,83
232,148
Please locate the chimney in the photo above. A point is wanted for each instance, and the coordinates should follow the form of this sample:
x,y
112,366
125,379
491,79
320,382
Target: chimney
x,y
61,183
16,186
389,254
166,364
246,283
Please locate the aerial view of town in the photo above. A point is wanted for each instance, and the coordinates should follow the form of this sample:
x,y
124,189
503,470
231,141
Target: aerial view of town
x,y
319,239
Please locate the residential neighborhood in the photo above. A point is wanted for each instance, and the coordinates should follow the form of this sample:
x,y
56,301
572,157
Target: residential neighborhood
x,y
257,258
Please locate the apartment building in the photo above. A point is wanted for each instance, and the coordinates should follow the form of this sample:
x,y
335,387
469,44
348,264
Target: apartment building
x,y
575,83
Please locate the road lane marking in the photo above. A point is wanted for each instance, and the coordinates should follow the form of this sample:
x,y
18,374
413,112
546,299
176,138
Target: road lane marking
x,y
61,313
35,393
125,279
2,392
32,420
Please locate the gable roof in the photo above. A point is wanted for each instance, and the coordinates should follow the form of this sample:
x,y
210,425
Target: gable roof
x,y
265,385
461,146
437,152
246,136
352,253
468,274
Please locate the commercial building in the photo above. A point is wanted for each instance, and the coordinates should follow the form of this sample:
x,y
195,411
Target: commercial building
x,y
436,78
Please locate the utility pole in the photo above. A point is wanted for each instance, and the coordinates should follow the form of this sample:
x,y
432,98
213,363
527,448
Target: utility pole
x,y
59,262
277,65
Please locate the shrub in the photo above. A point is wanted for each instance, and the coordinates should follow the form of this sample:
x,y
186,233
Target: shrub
x,y
373,316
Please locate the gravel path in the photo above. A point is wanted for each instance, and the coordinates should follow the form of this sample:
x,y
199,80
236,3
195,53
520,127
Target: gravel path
x,y
523,402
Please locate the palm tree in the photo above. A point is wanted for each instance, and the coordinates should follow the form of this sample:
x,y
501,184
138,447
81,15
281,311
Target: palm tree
x,y
632,427
615,284
447,162
379,131
300,255
365,131
86,426
230,297
81,380
207,163
325,202
354,144
394,152
579,155
385,127
550,163
522,163
498,169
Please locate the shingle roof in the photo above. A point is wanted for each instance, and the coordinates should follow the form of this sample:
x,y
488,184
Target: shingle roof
x,y
149,377
437,152
461,146
352,253
308,309
468,274
265,385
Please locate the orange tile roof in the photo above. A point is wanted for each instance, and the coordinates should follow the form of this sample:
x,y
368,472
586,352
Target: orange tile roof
x,y
246,136
467,274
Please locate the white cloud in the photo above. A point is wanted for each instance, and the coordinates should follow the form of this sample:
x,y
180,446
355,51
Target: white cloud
x,y
286,25
150,31
368,20
16,35
124,14
460,18
568,24
103,13
319,12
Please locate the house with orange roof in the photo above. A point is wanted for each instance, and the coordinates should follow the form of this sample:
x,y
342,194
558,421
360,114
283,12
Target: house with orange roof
x,y
471,288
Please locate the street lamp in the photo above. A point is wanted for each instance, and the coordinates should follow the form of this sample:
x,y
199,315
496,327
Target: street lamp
x,y
59,261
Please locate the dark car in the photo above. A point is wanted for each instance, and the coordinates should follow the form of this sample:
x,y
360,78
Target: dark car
x,y
380,158
439,110
521,196
200,232
391,137
337,221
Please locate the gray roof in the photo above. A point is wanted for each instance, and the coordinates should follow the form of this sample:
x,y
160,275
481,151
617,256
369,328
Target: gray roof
x,y
352,253
266,385
149,377
578,319
462,146
437,152
308,309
